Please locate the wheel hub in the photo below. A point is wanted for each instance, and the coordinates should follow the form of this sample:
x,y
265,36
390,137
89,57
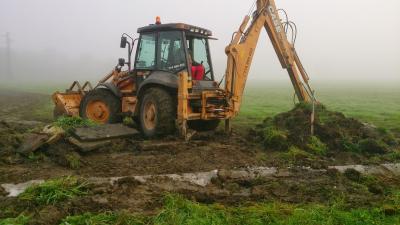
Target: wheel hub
x,y
98,111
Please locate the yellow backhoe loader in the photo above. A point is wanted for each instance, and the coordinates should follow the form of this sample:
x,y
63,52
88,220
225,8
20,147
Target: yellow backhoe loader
x,y
171,85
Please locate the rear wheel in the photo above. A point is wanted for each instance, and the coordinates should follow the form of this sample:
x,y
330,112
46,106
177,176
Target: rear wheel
x,y
203,125
101,106
157,113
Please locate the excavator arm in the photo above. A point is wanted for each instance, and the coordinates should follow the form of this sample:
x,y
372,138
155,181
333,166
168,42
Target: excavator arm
x,y
241,50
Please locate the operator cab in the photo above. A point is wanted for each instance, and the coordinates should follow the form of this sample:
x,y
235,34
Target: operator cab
x,y
168,49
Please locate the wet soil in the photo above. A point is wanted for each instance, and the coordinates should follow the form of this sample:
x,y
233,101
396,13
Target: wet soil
x,y
136,156
125,157
298,186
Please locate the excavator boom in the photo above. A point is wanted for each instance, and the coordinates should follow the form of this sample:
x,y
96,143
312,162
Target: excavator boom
x,y
240,53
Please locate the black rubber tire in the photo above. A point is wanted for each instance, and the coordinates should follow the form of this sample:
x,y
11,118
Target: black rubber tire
x,y
165,112
203,125
101,94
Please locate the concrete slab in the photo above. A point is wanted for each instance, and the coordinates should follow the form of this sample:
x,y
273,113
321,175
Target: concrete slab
x,y
88,146
104,132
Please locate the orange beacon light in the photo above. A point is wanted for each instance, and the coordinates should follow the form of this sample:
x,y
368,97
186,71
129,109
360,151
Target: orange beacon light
x,y
158,20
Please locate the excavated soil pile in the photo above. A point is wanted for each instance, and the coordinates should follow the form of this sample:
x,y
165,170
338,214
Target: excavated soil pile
x,y
333,132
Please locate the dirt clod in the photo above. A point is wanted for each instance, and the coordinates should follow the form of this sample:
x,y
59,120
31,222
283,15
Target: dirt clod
x,y
2,192
31,142
352,175
65,155
389,210
48,215
373,146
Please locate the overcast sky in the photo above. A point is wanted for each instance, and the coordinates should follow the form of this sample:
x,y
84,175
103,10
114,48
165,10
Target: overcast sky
x,y
338,40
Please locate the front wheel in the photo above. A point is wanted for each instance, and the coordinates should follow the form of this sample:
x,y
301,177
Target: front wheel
x,y
101,106
157,113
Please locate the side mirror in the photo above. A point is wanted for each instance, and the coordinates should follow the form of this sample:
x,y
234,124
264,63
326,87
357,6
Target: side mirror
x,y
124,42
121,62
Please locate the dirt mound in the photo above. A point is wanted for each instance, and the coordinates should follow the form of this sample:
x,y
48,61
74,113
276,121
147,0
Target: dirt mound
x,y
333,132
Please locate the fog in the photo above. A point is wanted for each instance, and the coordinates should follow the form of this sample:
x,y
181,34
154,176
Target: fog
x,y
56,41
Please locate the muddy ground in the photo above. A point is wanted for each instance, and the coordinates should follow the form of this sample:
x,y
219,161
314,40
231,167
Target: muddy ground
x,y
136,157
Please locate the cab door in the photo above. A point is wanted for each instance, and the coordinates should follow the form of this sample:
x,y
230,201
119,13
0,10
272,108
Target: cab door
x,y
171,52
145,61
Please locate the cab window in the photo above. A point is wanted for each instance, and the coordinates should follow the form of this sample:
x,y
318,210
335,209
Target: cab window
x,y
146,58
171,52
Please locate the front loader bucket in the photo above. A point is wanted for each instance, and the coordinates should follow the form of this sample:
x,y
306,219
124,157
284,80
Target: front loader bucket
x,y
68,103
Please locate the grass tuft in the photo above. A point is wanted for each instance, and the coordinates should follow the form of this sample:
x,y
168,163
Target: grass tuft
x,y
128,121
54,191
107,218
74,160
19,220
394,155
275,138
316,146
178,210
70,123
349,146
296,154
